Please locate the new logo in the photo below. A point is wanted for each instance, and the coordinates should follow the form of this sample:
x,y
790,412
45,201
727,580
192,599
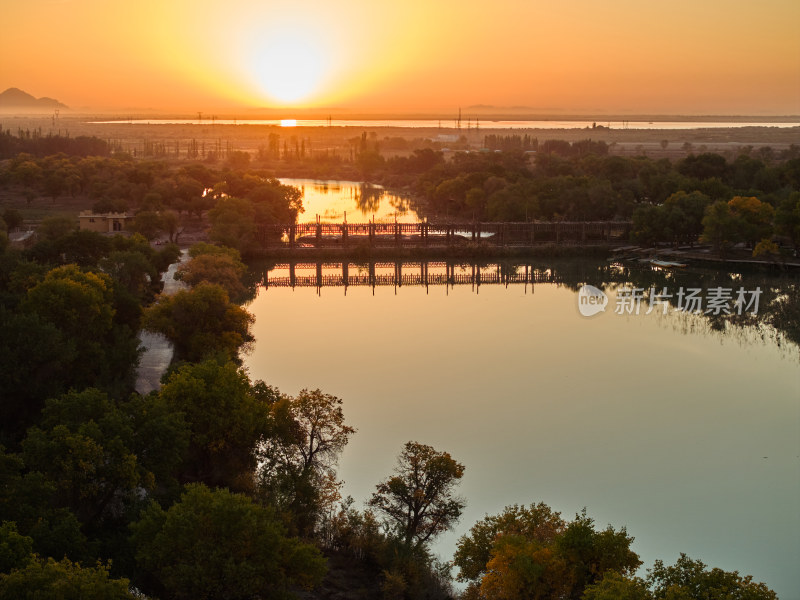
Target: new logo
x,y
591,300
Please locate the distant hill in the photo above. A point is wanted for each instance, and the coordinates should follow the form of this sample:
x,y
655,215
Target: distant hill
x,y
16,99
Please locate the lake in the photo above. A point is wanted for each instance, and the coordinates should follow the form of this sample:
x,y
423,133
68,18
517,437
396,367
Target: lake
x,y
684,428
356,202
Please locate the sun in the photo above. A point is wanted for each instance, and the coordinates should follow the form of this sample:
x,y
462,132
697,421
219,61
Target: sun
x,y
288,66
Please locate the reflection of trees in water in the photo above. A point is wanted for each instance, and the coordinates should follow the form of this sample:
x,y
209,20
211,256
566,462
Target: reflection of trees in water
x,y
400,205
368,198
777,320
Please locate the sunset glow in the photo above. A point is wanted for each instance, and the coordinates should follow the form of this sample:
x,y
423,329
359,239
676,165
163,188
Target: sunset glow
x,y
540,57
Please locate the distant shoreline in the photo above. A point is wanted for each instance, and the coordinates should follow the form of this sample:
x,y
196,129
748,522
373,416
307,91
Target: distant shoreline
x,y
340,115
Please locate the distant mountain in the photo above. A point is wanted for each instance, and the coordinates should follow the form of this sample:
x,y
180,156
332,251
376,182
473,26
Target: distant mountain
x,y
14,98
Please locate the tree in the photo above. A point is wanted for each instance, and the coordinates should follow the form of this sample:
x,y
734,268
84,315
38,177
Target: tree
x,y
787,218
521,568
753,218
200,322
690,579
298,472
29,500
225,420
216,544
614,586
97,454
170,223
134,272
35,359
47,579
13,218
232,224
147,223
52,228
81,306
15,549
275,202
419,500
219,269
29,175
684,215
537,522
532,553
589,553
719,226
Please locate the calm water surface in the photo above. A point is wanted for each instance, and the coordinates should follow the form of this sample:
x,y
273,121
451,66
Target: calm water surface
x,y
333,201
686,435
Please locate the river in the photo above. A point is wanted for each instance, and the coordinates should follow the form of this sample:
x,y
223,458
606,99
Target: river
x,y
684,428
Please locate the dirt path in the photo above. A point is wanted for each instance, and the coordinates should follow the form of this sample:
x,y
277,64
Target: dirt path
x,y
158,350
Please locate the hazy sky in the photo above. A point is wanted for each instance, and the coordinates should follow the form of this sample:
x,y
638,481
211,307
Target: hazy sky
x,y
588,56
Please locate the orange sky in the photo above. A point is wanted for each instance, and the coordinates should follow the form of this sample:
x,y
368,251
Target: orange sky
x,y
587,56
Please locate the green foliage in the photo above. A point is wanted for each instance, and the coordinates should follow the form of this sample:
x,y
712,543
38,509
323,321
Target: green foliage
x,y
537,522
298,460
719,226
80,305
35,358
52,228
739,220
532,553
690,579
15,549
109,205
200,322
753,218
91,450
73,300
233,224
225,420
62,580
29,499
134,272
219,269
787,218
147,223
216,544
12,218
614,586
419,501
202,248
276,203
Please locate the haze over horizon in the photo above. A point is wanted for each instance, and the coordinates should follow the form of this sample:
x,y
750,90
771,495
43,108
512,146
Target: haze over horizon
x,y
582,57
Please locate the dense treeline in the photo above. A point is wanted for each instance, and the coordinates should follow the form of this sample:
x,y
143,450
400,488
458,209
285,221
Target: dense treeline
x,y
163,197
39,144
678,202
592,186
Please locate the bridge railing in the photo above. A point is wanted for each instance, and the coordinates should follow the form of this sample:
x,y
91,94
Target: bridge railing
x,y
441,234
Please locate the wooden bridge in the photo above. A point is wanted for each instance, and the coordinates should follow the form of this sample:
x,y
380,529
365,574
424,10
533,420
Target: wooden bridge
x,y
426,234
400,273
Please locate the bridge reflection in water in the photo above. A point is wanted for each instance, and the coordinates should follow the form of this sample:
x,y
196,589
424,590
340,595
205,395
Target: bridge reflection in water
x,y
404,273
